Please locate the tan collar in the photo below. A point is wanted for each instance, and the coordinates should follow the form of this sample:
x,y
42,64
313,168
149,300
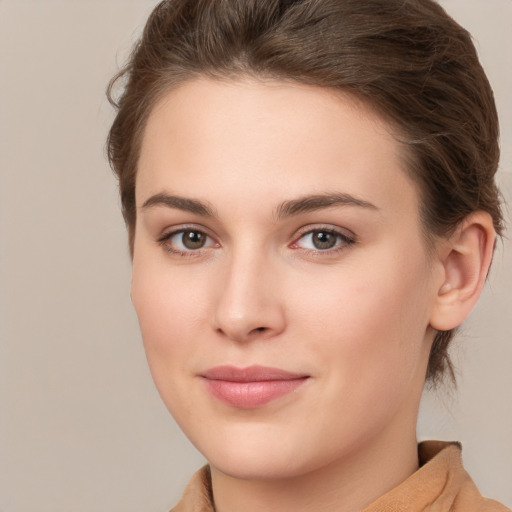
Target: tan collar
x,y
441,484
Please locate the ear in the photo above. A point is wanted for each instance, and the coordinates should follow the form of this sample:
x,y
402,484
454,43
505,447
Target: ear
x,y
465,259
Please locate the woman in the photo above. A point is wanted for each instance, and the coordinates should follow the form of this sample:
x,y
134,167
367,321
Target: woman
x,y
309,192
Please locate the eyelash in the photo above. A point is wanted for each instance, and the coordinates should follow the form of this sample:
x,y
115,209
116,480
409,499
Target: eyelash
x,y
342,242
190,253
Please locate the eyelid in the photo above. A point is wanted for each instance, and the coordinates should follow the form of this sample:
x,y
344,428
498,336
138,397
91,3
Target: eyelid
x,y
177,228
171,232
347,237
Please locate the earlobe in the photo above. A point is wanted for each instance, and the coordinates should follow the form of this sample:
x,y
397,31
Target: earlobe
x,y
465,259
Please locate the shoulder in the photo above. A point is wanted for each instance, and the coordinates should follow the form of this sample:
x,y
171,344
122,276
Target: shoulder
x,y
441,483
489,505
197,496
441,458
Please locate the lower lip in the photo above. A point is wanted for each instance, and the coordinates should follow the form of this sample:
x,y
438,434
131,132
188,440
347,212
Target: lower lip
x,y
249,395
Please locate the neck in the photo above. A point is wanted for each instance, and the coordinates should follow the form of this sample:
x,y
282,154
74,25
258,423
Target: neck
x,y
344,486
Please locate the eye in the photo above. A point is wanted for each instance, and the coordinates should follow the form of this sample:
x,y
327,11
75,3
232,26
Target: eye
x,y
186,241
323,239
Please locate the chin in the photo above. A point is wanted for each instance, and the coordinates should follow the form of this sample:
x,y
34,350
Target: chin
x,y
264,455
260,466
252,452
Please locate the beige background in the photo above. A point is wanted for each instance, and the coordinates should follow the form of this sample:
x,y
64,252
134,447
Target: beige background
x,y
81,426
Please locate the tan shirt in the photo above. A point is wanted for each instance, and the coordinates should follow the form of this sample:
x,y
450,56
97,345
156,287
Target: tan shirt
x,y
440,485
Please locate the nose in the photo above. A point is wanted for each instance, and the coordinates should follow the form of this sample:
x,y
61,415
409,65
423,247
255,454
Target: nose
x,y
249,305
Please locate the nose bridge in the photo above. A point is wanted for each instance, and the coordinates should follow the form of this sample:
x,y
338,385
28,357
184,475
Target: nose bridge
x,y
248,304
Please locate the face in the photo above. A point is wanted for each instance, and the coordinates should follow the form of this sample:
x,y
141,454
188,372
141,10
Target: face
x,y
280,275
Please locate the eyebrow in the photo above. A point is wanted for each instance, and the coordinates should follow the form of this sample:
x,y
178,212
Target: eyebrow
x,y
285,209
318,202
180,203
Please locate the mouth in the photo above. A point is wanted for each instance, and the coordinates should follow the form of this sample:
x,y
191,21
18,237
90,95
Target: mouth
x,y
251,387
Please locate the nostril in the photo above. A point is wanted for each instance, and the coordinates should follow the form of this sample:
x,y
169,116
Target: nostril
x,y
258,330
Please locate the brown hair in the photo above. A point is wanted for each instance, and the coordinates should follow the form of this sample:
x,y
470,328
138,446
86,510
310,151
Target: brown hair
x,y
406,58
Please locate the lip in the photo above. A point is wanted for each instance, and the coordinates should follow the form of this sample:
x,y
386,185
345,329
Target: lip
x,y
250,387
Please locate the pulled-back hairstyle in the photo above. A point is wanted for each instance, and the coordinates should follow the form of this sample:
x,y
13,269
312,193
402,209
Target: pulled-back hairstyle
x,y
407,59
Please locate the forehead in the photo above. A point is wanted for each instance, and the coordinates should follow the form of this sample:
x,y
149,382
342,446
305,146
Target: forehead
x,y
273,136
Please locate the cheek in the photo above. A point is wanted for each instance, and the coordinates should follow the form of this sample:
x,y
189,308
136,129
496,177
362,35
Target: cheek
x,y
168,314
168,311
371,319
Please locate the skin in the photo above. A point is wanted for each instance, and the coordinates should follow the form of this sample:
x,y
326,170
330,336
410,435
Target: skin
x,y
356,318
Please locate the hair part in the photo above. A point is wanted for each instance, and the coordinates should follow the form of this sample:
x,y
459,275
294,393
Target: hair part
x,y
407,59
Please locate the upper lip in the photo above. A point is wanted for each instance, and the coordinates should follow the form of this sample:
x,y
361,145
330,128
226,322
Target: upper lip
x,y
250,374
